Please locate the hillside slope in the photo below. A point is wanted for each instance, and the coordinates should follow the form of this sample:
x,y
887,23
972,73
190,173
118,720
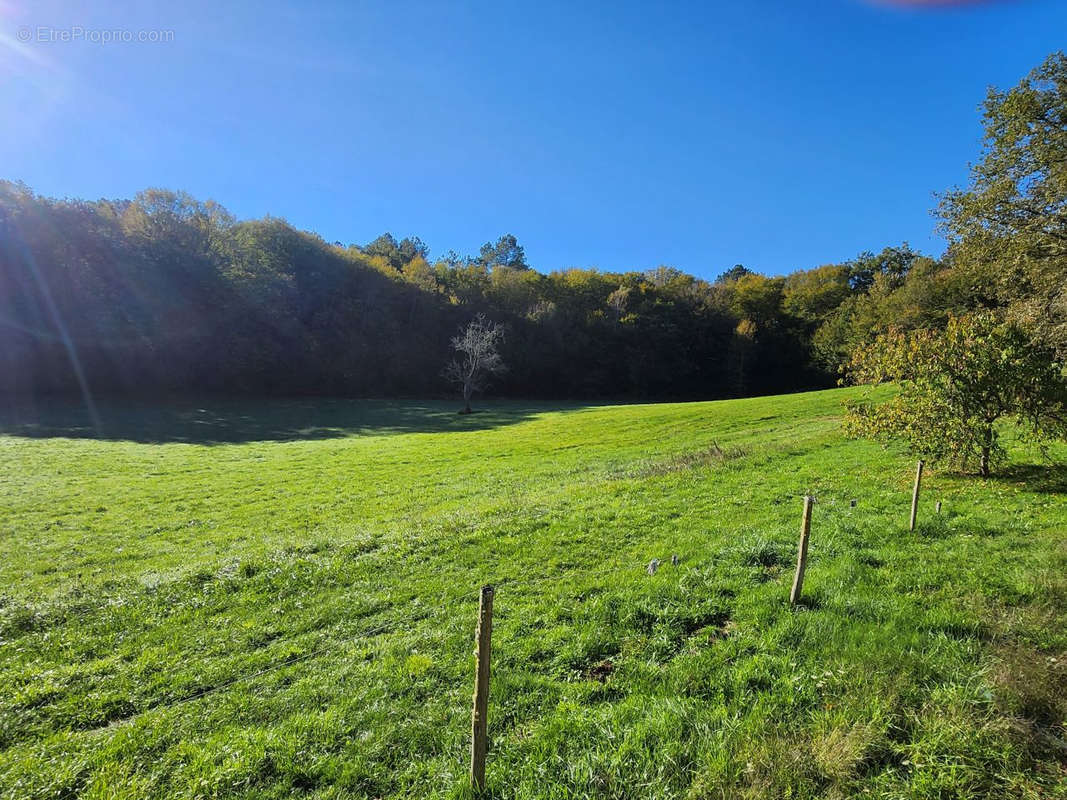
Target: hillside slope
x,y
279,600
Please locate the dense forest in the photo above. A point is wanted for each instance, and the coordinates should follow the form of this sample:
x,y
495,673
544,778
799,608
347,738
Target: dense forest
x,y
165,294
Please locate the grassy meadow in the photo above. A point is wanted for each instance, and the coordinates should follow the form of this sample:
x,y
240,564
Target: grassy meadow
x,y
278,600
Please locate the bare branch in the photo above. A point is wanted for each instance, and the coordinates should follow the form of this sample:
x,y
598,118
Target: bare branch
x,y
477,357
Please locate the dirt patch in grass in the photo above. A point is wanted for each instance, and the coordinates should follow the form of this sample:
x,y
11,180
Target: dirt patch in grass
x,y
600,672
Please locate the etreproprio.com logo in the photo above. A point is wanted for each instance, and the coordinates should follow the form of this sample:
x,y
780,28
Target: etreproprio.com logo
x,y
47,34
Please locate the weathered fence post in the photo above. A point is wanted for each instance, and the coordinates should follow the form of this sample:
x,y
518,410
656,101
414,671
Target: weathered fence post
x,y
915,493
479,723
802,551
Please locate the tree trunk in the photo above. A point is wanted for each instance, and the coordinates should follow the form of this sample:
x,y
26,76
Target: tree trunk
x,y
466,398
987,445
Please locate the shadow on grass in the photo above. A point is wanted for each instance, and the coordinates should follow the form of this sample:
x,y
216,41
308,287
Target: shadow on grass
x,y
1048,478
235,421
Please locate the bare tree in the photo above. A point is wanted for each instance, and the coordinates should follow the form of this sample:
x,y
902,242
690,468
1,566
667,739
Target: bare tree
x,y
477,357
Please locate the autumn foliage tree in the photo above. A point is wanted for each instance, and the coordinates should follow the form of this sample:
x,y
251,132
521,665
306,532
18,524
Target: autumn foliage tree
x,y
955,385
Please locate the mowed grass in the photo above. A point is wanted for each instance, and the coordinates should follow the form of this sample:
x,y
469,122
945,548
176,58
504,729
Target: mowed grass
x,y
279,599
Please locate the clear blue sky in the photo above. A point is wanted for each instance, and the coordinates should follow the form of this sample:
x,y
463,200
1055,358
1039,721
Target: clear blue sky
x,y
775,133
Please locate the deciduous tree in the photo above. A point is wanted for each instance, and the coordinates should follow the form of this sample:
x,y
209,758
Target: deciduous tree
x,y
477,357
1009,226
955,384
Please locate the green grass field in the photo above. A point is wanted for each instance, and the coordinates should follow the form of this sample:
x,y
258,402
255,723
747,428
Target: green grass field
x,y
279,600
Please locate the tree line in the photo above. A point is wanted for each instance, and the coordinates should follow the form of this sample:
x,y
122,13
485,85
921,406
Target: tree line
x,y
165,293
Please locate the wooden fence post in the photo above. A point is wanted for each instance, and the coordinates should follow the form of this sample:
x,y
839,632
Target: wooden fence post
x,y
915,494
479,723
802,552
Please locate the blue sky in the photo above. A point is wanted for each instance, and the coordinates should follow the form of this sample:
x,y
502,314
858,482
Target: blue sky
x,y
776,133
